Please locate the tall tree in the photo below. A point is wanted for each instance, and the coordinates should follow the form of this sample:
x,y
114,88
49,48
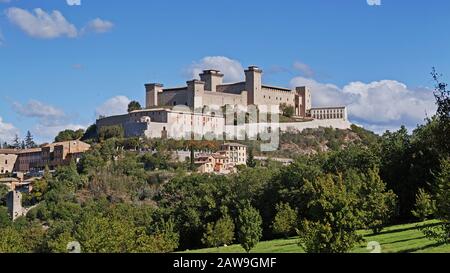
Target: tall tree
x,y
133,106
334,217
250,158
442,95
250,227
16,142
29,141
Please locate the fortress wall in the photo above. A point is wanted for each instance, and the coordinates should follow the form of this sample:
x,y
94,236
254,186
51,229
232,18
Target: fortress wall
x,y
235,88
220,99
171,98
275,97
252,130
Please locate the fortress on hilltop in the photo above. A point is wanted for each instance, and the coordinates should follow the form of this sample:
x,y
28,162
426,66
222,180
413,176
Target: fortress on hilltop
x,y
182,107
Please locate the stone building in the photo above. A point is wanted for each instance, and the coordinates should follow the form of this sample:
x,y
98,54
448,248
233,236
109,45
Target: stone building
x,y
51,155
178,122
8,159
211,91
224,161
237,153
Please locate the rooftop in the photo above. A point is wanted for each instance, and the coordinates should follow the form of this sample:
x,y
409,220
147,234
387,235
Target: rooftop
x,y
233,144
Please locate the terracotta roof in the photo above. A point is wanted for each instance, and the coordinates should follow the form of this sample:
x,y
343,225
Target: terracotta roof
x,y
9,151
234,144
33,150
8,180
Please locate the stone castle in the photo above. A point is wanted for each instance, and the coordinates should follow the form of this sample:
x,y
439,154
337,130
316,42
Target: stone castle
x,y
166,107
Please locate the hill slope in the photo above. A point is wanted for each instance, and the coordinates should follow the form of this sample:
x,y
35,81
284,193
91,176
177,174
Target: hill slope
x,y
395,239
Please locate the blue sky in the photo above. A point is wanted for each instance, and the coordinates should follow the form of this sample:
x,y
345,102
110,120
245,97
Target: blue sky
x,y
59,69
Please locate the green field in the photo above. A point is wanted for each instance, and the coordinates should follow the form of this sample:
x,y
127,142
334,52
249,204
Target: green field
x,y
395,239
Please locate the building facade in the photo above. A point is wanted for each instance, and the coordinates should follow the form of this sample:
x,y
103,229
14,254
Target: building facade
x,y
224,161
51,155
211,91
8,158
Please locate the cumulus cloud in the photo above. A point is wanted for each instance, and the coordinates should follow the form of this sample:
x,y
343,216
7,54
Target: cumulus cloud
x,y
46,114
73,2
381,104
305,69
40,24
50,119
48,133
232,69
7,131
114,106
98,26
49,25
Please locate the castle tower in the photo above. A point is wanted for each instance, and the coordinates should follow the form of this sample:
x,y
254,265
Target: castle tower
x,y
195,90
253,83
212,79
152,91
14,203
304,102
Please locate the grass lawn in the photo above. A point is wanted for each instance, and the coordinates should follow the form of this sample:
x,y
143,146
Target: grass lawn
x,y
395,239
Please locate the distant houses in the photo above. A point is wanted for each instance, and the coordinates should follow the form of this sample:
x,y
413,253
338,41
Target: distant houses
x,y
35,159
224,161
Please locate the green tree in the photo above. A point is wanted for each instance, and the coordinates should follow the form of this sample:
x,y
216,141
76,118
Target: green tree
x,y
442,96
286,220
5,219
378,203
29,142
251,162
441,233
133,106
334,217
425,205
108,132
250,229
219,233
287,110
3,192
68,135
16,142
11,241
91,133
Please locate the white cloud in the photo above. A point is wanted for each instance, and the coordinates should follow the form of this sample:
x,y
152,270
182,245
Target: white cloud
x,y
73,2
5,1
48,133
46,114
7,131
46,25
41,24
98,26
50,120
232,69
114,106
381,104
305,69
374,2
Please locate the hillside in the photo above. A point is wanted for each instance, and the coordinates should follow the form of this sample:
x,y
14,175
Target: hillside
x,y
314,141
396,239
